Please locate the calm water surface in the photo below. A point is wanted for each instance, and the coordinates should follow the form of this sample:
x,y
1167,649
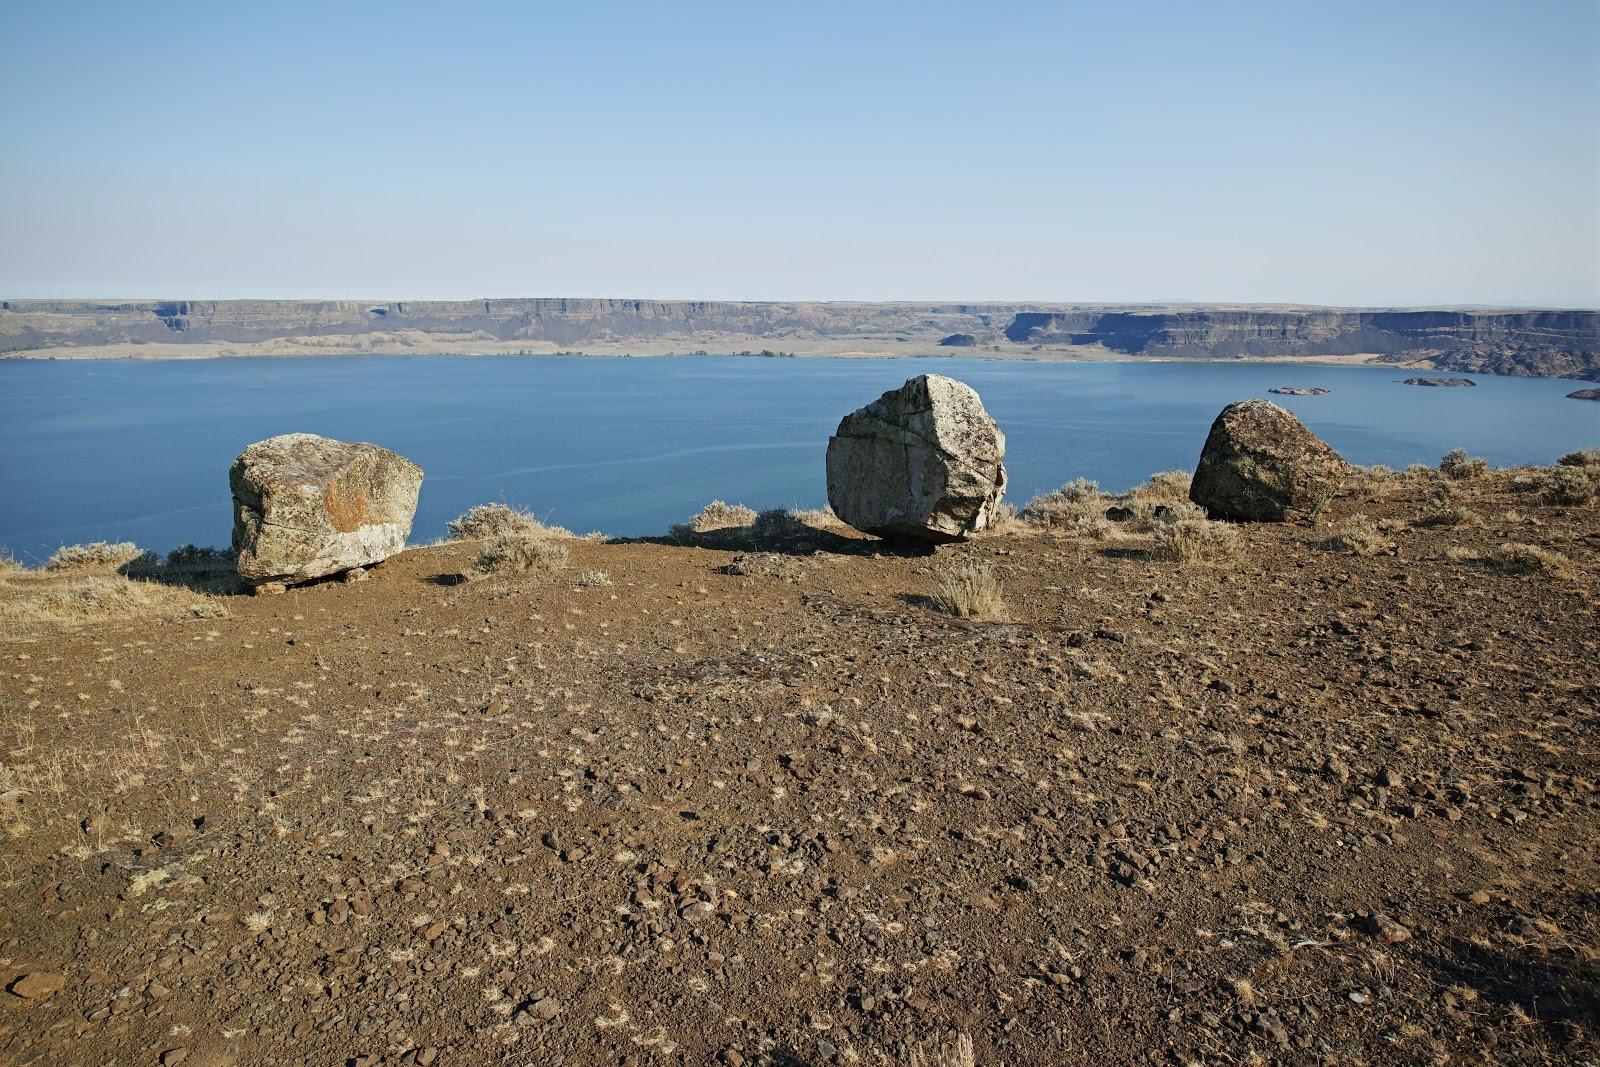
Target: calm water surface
x,y
139,451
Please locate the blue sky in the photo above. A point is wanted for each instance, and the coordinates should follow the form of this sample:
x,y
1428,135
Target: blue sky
x,y
1349,153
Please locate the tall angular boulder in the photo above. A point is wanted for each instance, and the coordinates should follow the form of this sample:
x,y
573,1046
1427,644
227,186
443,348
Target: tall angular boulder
x,y
924,461
306,506
1260,464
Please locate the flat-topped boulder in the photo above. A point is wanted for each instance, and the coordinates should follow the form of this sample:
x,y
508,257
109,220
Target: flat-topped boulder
x,y
924,461
1260,464
305,507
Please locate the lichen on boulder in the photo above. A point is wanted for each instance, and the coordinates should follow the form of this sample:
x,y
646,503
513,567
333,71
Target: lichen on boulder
x,y
1261,464
924,461
305,507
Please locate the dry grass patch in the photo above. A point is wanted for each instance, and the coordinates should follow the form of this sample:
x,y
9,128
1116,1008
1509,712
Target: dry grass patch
x,y
1516,558
97,554
1164,486
971,591
1187,540
516,554
35,602
716,515
1584,457
593,579
485,522
1513,557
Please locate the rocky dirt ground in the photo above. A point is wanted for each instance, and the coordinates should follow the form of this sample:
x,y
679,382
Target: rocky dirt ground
x,y
1304,805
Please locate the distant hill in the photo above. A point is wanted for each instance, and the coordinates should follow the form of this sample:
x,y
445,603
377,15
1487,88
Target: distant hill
x,y
1480,340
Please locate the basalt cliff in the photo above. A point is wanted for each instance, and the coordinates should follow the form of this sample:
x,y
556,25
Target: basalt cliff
x,y
1563,343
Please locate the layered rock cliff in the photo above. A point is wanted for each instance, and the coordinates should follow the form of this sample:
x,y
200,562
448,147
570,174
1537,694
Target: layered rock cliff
x,y
1526,342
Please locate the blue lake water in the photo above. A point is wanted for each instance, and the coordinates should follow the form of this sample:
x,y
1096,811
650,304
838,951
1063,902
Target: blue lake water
x,y
139,451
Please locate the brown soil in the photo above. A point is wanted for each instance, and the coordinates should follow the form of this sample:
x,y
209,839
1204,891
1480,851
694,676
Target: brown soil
x,y
1300,806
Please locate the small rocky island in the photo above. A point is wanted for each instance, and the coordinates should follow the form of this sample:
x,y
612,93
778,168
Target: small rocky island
x,y
1584,394
1442,383
1297,390
959,340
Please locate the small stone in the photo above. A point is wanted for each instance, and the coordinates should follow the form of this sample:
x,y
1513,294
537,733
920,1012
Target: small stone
x,y
37,985
1271,1027
433,931
1388,930
174,1056
1390,778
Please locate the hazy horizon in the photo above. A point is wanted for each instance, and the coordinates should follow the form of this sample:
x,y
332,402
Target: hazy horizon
x,y
1364,155
1175,302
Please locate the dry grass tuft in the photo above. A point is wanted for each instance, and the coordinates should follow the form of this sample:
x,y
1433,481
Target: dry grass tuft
x,y
971,591
817,518
716,515
953,1052
99,555
593,579
1516,558
484,522
1187,540
515,554
1460,467
1358,534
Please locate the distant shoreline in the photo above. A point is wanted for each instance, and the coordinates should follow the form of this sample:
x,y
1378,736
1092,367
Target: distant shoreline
x,y
156,353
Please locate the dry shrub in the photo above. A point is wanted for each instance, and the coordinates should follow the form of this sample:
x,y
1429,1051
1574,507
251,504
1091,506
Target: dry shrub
x,y
778,524
1454,515
1078,499
1358,534
9,564
1571,484
98,554
593,579
716,515
1149,516
1516,558
971,591
1164,486
1193,540
515,553
1584,457
1460,467
1095,528
484,522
